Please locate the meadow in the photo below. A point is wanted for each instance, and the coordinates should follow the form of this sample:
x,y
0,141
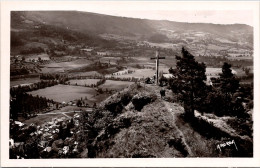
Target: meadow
x,y
64,66
115,85
64,93
23,81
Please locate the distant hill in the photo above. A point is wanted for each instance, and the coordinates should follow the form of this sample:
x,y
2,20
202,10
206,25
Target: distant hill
x,y
93,23
29,32
49,28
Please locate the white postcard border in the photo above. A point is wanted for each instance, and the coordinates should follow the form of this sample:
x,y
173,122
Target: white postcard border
x,y
7,6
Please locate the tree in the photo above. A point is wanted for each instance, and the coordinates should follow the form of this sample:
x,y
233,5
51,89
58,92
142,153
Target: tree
x,y
229,84
215,102
188,81
233,98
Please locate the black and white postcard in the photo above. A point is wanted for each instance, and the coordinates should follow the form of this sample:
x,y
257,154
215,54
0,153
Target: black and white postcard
x,y
150,83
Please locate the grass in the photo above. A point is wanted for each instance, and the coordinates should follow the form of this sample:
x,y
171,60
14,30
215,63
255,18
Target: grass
x,y
97,98
65,93
21,81
52,70
201,146
148,135
115,85
217,128
112,60
41,119
64,66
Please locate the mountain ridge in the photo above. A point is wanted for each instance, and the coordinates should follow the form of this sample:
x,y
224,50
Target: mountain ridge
x,y
87,22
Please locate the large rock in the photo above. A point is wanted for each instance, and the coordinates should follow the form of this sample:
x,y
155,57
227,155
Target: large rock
x,y
117,102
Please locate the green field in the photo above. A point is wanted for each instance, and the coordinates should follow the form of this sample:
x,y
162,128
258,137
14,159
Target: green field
x,y
64,93
41,119
115,85
97,99
23,81
83,82
64,66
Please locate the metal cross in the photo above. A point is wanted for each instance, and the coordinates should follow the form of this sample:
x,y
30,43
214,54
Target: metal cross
x,y
157,57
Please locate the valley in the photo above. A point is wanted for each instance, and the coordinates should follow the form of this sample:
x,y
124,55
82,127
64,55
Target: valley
x,y
91,76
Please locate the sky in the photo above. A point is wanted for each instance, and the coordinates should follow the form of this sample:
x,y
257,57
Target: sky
x,y
196,16
217,12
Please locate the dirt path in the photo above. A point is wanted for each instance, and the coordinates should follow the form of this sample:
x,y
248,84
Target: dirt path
x,y
172,109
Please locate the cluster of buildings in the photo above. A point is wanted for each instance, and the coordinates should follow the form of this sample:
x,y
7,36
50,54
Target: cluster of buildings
x,y
57,137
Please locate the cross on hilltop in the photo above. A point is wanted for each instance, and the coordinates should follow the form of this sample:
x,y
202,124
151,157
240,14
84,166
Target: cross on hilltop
x,y
157,57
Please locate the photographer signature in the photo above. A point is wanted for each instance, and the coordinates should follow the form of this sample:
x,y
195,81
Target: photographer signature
x,y
225,144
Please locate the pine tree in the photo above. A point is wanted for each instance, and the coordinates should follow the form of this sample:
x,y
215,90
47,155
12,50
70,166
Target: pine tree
x,y
188,81
229,84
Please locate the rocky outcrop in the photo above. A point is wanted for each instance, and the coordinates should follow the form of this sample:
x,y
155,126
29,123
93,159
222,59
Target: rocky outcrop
x,y
132,98
142,99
